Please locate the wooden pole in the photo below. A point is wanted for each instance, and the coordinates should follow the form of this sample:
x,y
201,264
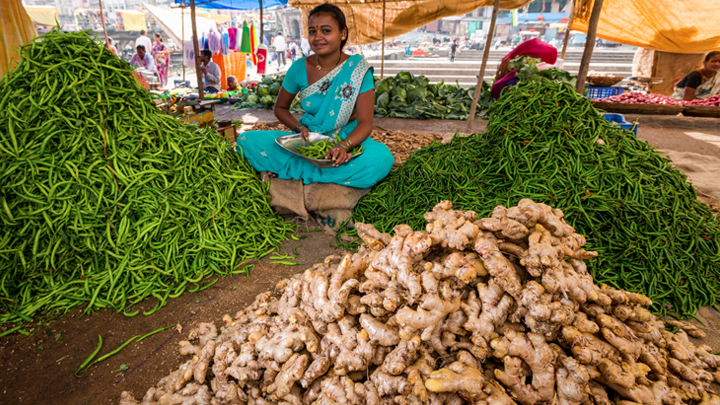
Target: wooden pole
x,y
566,39
589,46
486,56
182,19
382,51
261,26
102,21
197,50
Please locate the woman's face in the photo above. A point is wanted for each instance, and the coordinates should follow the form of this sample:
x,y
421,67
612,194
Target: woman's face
x,y
324,34
157,38
713,64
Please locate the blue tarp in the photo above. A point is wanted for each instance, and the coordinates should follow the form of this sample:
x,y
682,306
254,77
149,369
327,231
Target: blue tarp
x,y
235,4
533,17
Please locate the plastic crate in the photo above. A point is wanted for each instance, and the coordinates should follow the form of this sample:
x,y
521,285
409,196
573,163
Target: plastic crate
x,y
602,92
619,119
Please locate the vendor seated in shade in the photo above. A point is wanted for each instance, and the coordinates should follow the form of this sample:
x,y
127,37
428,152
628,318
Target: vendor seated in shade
x,y
701,83
232,84
338,95
142,59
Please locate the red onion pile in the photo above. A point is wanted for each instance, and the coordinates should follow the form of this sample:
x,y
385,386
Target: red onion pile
x,y
639,98
713,101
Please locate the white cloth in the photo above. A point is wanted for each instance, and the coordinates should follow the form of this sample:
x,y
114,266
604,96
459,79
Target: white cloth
x,y
189,54
212,75
710,88
144,41
279,44
305,46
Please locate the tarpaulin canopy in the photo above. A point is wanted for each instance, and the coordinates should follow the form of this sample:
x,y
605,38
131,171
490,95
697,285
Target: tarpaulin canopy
x,y
44,15
364,17
16,28
680,26
171,21
133,20
235,4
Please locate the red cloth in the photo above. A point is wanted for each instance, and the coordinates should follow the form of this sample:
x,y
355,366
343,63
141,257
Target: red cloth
x,y
232,38
534,48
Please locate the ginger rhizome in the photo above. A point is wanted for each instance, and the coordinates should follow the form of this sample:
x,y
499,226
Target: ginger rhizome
x,y
489,311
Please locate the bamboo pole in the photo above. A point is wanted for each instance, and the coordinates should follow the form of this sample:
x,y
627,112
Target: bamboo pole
x,y
261,27
182,19
197,51
102,21
566,39
589,46
486,56
382,51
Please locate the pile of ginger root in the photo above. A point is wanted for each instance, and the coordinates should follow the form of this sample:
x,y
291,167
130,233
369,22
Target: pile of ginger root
x,y
491,311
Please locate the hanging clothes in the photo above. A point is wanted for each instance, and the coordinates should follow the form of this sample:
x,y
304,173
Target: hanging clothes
x,y
224,46
189,54
253,44
245,46
214,43
232,38
204,42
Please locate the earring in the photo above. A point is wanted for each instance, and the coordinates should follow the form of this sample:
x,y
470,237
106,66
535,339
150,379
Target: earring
x,y
343,38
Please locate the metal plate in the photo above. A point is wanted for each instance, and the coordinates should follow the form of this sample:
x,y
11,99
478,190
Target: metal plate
x,y
291,142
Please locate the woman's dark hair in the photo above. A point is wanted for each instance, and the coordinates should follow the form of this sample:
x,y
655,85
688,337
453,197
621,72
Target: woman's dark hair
x,y
157,34
337,15
711,54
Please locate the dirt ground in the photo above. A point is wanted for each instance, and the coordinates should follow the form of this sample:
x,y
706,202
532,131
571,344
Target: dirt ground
x,y
39,369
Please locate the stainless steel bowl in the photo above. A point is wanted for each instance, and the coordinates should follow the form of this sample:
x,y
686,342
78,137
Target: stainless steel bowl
x,y
291,142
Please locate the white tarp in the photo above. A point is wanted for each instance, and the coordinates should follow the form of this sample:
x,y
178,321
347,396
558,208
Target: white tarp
x,y
171,21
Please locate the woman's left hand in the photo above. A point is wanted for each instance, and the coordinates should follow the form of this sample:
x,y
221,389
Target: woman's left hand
x,y
338,154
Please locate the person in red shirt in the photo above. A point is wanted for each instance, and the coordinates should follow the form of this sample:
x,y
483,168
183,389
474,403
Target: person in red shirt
x,y
111,46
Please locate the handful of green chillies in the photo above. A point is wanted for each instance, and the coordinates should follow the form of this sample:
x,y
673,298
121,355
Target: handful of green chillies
x,y
319,150
636,210
106,201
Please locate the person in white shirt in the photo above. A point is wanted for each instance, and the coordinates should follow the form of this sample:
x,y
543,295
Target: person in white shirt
x,y
280,48
144,41
305,47
211,72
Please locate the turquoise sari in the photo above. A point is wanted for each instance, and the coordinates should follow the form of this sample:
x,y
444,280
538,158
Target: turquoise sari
x,y
328,105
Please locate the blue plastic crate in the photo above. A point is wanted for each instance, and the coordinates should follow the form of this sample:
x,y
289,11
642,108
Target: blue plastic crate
x,y
619,119
602,92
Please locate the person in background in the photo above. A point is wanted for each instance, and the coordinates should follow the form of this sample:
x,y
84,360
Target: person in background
x,y
453,48
161,53
210,71
111,46
701,83
305,47
144,41
280,48
142,59
232,84
293,51
534,48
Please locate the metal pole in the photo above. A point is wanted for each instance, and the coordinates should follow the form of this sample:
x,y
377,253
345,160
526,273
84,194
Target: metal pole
x,y
182,19
589,46
197,50
382,51
566,39
486,56
261,24
102,20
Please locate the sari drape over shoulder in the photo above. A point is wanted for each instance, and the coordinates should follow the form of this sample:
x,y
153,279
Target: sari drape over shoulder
x,y
328,105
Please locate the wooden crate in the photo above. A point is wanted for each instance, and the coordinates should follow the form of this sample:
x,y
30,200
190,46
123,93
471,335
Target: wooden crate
x,y
702,111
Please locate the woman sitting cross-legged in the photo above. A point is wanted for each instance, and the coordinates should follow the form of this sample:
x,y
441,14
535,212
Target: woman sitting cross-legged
x,y
338,96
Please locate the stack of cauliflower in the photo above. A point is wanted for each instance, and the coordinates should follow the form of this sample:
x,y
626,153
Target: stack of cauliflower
x,y
495,311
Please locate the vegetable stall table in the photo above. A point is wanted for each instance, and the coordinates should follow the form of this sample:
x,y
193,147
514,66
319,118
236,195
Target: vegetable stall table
x,y
191,111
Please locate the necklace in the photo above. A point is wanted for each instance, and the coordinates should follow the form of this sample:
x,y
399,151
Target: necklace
x,y
318,67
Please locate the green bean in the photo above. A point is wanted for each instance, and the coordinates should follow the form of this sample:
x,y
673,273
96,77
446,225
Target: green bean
x,y
116,202
135,339
92,355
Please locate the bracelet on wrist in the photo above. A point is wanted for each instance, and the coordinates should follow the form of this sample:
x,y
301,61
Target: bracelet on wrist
x,y
299,127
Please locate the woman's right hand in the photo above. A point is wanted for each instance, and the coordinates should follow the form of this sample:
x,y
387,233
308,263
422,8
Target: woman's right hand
x,y
305,133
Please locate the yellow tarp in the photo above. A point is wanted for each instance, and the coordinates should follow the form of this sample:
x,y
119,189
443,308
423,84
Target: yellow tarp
x,y
221,18
16,28
364,17
133,20
680,26
44,15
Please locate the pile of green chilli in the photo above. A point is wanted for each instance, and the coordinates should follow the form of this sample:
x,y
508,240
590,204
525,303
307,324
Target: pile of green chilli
x,y
543,143
106,201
